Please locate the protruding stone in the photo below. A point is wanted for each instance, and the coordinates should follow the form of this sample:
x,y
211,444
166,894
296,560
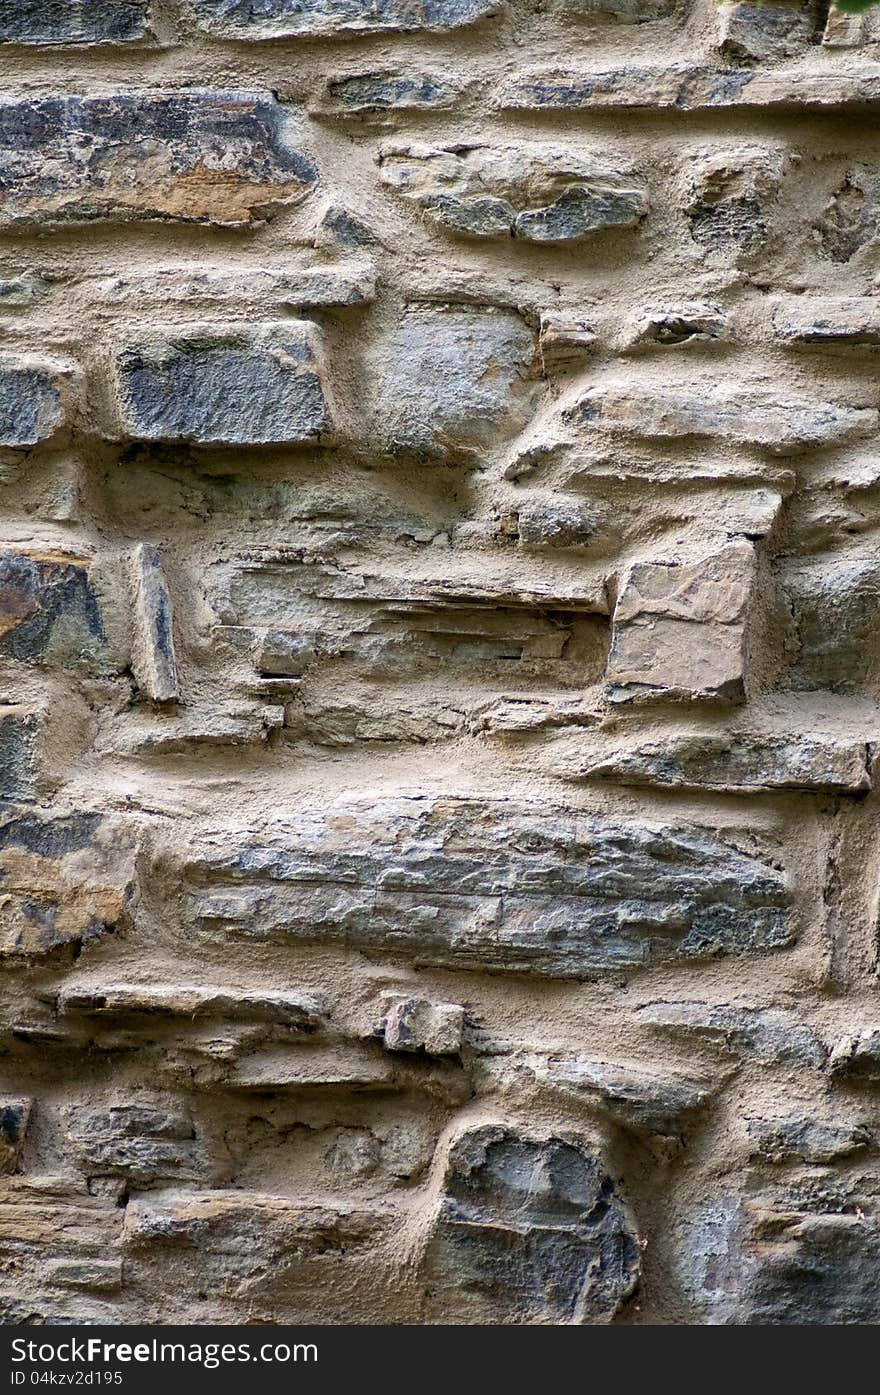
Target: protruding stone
x,y
145,1141
857,1058
732,193
417,1024
555,523
281,653
680,631
278,19
671,326
565,339
765,1035
542,194
531,1230
69,22
373,93
644,1101
807,1140
226,158
18,729
771,29
153,660
34,398
224,385
48,609
827,320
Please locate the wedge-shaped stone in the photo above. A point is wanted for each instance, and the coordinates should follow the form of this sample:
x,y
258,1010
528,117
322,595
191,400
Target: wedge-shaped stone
x,y
531,1230
192,156
72,21
680,631
526,888
744,415
217,385
273,19
753,32
539,194
153,659
64,881
739,763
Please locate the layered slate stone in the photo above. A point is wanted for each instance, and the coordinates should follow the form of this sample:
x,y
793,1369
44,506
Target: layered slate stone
x,y
743,415
455,379
826,321
72,21
538,194
226,158
736,763
271,19
33,399
680,631
217,385
48,609
65,881
490,884
144,1140
531,1230
682,87
154,662
381,91
14,1118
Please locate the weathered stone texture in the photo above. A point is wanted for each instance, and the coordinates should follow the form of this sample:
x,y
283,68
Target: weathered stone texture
x,y
439,663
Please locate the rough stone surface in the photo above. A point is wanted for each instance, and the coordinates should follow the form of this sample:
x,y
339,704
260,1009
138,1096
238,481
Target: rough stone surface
x,y
439,663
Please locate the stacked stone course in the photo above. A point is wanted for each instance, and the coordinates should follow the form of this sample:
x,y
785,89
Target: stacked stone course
x,y
439,669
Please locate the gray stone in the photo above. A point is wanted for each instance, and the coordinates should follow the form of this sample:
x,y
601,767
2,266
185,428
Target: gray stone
x,y
827,320
456,380
14,1118
18,729
272,287
850,219
226,158
731,199
148,1141
364,94
671,326
472,883
755,33
762,1262
744,415
555,523
153,659
32,400
740,763
765,1035
680,87
833,606
680,631
48,610
644,1101
531,1230
273,19
72,21
565,339
625,11
417,1024
224,385
820,1141
857,1058
281,653
300,1012
19,291
540,194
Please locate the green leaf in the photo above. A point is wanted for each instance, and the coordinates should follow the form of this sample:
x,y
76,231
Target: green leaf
x,y
854,7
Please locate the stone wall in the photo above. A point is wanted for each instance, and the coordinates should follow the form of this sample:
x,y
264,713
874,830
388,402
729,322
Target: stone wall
x,y
439,661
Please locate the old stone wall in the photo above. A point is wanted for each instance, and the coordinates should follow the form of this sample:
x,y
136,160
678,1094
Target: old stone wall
x,y
439,661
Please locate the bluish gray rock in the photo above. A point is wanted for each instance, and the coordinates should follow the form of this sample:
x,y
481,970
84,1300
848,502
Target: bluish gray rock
x,y
271,19
765,1035
194,156
48,610
531,1230
224,386
18,729
375,92
833,606
32,405
72,21
472,883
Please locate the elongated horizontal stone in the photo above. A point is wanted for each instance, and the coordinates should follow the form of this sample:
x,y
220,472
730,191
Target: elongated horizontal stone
x,y
113,999
531,1230
33,399
543,194
194,156
272,287
765,1035
494,885
624,11
684,88
806,1140
224,385
72,21
143,1141
652,1102
680,632
272,19
826,320
738,763
746,415
366,93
